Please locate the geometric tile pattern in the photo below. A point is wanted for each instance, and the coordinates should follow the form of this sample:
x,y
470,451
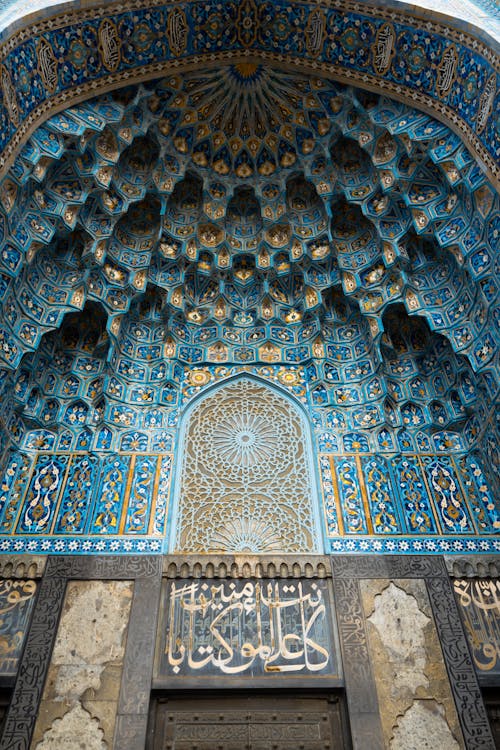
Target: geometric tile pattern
x,y
121,266
336,244
84,503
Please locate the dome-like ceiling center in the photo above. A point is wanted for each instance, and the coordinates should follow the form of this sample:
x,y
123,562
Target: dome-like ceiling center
x,y
245,119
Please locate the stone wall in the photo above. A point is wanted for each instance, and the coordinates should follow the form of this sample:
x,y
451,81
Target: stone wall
x,y
390,624
83,682
410,675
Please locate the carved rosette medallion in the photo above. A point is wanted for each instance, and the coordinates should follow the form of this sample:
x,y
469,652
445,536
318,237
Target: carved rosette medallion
x,y
246,482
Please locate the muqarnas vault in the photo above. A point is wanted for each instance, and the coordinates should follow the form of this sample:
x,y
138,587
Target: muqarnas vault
x,y
171,236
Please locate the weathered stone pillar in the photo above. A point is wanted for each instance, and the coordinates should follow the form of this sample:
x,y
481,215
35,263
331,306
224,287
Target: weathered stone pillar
x,y
408,672
86,668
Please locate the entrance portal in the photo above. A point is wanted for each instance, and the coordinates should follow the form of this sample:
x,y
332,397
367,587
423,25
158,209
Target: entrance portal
x,y
249,721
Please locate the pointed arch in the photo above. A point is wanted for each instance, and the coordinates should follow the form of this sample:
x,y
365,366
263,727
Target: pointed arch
x,y
245,476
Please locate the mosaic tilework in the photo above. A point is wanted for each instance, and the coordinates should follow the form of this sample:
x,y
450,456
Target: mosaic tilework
x,y
333,243
119,502
124,273
86,494
482,14
148,545
394,52
420,495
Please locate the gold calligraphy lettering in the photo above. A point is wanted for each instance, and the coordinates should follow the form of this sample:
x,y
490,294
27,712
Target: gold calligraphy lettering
x,y
486,103
230,627
109,45
383,49
446,70
47,65
479,601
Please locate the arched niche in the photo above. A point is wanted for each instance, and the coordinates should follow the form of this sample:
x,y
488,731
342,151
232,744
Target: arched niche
x,y
245,477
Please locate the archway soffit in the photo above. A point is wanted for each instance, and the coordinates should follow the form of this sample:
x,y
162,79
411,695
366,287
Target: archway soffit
x,y
427,63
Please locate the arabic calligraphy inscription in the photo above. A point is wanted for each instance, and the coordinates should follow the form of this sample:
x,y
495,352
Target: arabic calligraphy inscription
x,y
479,604
246,628
16,602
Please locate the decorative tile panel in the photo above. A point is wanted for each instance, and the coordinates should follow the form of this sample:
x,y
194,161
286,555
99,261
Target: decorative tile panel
x,y
386,47
249,219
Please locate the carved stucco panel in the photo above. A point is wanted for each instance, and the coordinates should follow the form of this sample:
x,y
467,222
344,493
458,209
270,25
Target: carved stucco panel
x,y
246,479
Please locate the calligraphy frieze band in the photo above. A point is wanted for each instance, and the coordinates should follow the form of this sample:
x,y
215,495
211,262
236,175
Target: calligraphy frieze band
x,y
105,567
387,566
479,604
360,684
229,630
21,717
384,32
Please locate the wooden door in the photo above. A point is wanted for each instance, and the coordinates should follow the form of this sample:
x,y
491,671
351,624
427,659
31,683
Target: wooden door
x,y
271,721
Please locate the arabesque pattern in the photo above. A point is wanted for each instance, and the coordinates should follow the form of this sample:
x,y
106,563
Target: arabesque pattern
x,y
246,482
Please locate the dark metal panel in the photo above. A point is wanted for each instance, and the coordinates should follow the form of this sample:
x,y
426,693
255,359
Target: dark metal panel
x,y
276,632
30,682
478,601
250,721
458,660
362,700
